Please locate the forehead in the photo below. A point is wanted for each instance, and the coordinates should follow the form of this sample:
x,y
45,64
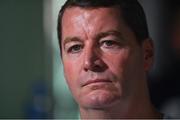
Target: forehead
x,y
92,18
105,10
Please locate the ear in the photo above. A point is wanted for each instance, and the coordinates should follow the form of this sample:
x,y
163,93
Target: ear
x,y
148,51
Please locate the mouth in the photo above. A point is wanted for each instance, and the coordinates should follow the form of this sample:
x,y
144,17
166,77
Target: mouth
x,y
97,81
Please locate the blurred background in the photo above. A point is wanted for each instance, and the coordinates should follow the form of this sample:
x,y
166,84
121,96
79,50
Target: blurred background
x,y
32,84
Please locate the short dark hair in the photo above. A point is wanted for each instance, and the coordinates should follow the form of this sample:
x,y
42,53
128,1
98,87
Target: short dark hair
x,y
132,12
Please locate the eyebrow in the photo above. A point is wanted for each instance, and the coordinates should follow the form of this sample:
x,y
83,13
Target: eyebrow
x,y
110,32
71,39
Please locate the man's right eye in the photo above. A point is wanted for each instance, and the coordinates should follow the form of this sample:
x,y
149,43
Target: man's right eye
x,y
75,48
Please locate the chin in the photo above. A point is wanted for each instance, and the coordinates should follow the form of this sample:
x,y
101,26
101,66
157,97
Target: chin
x,y
98,99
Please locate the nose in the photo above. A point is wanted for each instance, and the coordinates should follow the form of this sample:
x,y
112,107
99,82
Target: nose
x,y
93,60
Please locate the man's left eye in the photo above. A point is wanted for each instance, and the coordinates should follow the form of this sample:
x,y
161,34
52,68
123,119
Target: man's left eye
x,y
109,43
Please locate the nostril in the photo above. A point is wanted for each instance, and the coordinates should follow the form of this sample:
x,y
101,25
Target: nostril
x,y
86,69
98,68
95,66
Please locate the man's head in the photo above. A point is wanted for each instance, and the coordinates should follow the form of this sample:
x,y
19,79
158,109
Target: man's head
x,y
105,52
132,13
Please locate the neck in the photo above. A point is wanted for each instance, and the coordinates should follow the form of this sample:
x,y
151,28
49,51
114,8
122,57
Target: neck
x,y
138,110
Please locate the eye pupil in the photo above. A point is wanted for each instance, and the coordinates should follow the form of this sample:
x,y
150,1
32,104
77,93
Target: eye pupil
x,y
75,48
109,43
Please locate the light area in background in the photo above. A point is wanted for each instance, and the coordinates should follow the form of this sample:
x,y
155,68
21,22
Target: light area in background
x,y
64,106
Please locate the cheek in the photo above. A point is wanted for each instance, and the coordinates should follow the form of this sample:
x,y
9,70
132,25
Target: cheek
x,y
119,61
70,71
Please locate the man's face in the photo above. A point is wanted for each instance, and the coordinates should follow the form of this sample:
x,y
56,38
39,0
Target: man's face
x,y
103,63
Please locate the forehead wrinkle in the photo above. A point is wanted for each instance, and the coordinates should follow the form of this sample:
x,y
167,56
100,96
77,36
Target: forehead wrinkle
x,y
85,23
82,22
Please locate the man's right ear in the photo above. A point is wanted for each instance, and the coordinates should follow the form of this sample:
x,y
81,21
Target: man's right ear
x,y
148,51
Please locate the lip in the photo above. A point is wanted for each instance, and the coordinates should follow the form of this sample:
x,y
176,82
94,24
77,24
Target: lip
x,y
97,81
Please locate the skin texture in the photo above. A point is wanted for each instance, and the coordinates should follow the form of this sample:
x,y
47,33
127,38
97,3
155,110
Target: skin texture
x,y
104,66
